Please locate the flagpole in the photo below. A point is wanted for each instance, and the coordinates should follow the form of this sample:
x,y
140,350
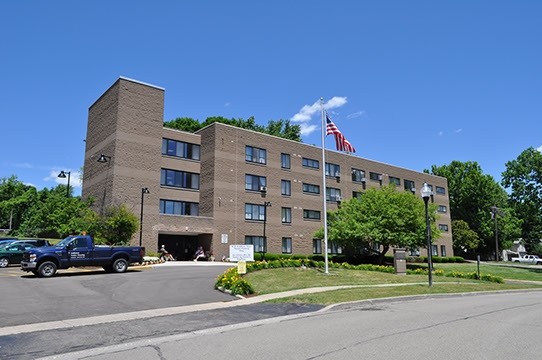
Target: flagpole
x,y
324,182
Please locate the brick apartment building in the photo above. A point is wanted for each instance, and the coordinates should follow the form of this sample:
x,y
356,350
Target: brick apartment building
x,y
224,185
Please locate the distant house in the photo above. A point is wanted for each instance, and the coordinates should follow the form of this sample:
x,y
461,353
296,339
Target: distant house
x,y
517,249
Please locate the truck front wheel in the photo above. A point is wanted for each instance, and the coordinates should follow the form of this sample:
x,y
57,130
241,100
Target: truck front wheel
x,y
46,269
120,265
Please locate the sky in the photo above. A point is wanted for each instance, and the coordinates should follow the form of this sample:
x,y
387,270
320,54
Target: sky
x,y
409,83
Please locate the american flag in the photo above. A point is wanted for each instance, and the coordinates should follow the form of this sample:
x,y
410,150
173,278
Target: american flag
x,y
340,141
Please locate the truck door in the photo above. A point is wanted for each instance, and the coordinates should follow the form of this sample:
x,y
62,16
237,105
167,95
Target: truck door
x,y
79,253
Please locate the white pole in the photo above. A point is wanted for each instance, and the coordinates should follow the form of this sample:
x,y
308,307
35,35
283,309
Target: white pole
x,y
324,182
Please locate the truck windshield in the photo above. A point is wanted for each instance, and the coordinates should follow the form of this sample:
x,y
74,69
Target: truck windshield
x,y
64,242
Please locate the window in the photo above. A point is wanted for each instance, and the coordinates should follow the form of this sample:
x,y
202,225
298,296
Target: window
x,y
395,180
441,190
358,175
286,187
357,194
443,227
255,155
409,185
259,243
285,161
333,248
375,176
311,214
333,170
434,250
310,163
180,149
442,250
286,245
414,252
172,207
286,215
255,183
255,212
311,188
316,246
333,194
180,179
442,208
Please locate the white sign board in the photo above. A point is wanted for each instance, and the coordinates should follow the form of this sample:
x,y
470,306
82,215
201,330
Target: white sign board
x,y
241,252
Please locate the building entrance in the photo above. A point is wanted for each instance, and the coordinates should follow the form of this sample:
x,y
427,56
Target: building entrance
x,y
182,247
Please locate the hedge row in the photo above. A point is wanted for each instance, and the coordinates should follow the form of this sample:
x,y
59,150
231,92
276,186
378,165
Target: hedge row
x,y
357,259
231,281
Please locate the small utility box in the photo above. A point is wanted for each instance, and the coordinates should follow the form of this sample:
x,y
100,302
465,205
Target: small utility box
x,y
399,261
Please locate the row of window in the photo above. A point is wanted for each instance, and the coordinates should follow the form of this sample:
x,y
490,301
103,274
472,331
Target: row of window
x,y
259,155
190,151
260,245
434,251
180,149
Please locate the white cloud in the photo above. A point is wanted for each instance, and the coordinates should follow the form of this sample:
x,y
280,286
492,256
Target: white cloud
x,y
307,129
307,111
227,104
440,133
355,115
457,131
75,178
539,148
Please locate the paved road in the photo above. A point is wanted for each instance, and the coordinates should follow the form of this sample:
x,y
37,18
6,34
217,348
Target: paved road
x,y
79,293
487,326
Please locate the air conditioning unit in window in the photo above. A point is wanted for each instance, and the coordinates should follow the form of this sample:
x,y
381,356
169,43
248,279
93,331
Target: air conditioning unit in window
x,y
380,177
338,198
337,174
263,188
363,179
261,161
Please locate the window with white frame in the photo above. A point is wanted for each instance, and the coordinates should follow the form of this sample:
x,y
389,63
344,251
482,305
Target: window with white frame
x,y
180,179
434,250
258,242
285,162
441,190
333,194
333,170
395,181
358,175
173,207
409,185
443,227
286,245
255,155
442,209
310,163
255,182
286,187
316,246
286,215
311,188
180,149
311,214
255,212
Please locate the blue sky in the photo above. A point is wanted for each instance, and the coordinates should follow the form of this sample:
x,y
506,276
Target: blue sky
x,y
409,83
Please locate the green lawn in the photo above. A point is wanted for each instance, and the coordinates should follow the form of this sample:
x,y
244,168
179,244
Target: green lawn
x,y
506,272
284,279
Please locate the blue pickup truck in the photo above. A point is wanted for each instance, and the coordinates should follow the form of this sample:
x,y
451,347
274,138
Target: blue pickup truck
x,y
77,251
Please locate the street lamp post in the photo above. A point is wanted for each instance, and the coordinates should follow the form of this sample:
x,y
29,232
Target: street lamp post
x,y
426,193
494,212
143,192
264,245
62,175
